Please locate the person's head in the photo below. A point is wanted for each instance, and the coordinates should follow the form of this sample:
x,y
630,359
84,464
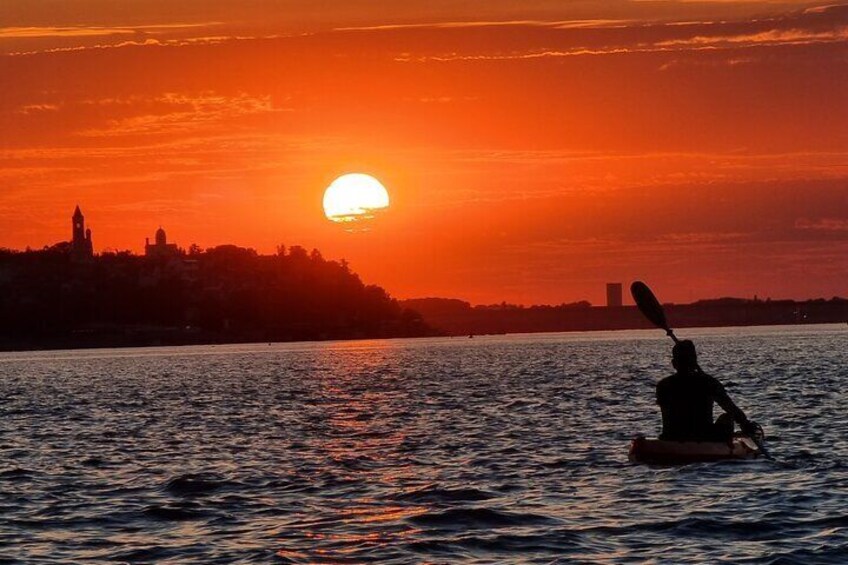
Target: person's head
x,y
684,357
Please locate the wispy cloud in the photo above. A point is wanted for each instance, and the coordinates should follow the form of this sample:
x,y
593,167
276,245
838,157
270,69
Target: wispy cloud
x,y
148,42
35,108
192,112
94,31
556,24
823,224
772,36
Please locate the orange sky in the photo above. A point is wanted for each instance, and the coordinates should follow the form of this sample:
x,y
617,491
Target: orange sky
x,y
533,149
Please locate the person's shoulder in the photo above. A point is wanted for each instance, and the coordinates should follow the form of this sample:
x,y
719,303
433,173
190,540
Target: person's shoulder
x,y
712,382
710,379
667,381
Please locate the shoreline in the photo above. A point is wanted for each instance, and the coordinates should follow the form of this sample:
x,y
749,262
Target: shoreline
x,y
4,349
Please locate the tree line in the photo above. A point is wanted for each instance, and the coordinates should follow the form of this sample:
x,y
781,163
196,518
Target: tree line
x,y
223,294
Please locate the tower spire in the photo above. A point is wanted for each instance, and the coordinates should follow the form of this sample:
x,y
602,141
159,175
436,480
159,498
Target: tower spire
x,y
81,238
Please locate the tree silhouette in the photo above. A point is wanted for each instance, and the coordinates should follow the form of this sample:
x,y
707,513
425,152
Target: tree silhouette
x,y
226,293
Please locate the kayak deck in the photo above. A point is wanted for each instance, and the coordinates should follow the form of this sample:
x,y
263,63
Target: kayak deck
x,y
661,452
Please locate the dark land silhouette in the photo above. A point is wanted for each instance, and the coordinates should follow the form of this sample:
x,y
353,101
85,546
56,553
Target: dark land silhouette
x,y
53,299
457,317
67,296
60,297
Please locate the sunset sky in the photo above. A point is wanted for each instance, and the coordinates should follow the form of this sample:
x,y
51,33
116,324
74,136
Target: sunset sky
x,y
533,149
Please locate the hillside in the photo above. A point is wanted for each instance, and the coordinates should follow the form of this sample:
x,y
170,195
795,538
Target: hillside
x,y
224,294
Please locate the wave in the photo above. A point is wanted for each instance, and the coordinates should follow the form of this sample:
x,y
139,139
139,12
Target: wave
x,y
196,484
478,518
175,513
18,473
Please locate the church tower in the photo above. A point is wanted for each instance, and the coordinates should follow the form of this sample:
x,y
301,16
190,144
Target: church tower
x,y
81,246
78,221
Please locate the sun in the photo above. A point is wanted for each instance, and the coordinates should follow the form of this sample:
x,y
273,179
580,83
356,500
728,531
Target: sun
x,y
355,197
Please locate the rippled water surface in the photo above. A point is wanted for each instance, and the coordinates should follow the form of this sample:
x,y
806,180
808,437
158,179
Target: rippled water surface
x,y
486,450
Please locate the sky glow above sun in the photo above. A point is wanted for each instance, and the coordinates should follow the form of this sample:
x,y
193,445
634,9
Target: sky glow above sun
x,y
534,150
355,197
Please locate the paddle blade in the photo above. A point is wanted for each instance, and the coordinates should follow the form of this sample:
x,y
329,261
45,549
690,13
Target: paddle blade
x,y
648,304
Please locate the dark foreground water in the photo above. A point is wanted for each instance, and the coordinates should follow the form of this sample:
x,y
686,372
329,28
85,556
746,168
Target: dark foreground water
x,y
487,450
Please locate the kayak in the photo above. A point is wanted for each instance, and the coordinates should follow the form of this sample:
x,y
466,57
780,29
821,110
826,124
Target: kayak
x,y
661,452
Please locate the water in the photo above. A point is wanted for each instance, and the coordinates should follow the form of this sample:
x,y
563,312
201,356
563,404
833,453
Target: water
x,y
485,450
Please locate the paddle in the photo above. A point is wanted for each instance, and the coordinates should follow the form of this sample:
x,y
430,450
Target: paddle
x,y
653,310
651,307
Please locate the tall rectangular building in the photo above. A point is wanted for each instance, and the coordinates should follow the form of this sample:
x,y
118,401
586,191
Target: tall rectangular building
x,y
614,295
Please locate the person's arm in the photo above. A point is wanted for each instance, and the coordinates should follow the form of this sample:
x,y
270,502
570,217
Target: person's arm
x,y
723,399
662,403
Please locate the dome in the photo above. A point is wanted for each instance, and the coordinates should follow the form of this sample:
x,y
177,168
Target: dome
x,y
161,238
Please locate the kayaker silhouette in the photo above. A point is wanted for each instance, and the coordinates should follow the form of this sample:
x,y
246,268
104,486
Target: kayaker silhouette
x,y
686,399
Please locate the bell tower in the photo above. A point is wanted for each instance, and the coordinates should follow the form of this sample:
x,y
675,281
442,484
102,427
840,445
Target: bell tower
x,y
81,245
78,221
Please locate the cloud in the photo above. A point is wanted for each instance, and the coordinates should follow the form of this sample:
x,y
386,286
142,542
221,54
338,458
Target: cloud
x,y
95,31
641,38
826,8
822,224
149,42
769,37
555,24
493,40
185,113
39,32
34,108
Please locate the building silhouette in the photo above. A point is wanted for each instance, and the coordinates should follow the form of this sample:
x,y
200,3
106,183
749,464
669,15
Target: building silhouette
x,y
614,295
161,249
81,246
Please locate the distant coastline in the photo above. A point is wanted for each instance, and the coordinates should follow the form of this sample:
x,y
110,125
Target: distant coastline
x,y
68,297
57,298
457,317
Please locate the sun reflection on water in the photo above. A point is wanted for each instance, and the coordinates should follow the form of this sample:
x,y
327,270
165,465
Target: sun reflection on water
x,y
360,447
